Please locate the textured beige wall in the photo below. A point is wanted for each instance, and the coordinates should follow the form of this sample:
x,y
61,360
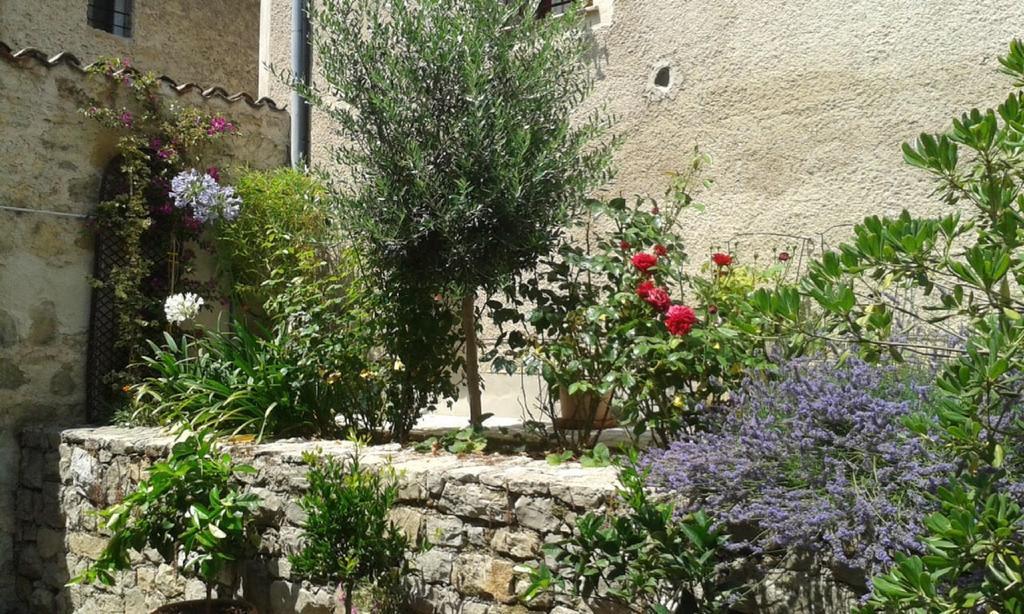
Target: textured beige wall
x,y
52,159
803,105
209,43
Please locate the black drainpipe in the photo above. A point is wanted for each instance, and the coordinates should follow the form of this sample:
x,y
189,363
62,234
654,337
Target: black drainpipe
x,y
301,72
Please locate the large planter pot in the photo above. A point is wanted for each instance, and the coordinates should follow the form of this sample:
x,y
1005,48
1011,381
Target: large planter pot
x,y
585,410
216,606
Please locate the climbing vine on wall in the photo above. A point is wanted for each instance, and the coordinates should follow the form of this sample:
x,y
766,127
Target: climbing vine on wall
x,y
155,230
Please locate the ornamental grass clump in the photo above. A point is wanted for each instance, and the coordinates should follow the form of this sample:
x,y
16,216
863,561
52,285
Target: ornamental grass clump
x,y
817,460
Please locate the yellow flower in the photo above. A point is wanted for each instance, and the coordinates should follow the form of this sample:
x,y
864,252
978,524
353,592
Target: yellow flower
x,y
366,374
678,401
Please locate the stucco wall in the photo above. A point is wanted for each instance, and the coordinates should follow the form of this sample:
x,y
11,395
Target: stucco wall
x,y
52,159
209,43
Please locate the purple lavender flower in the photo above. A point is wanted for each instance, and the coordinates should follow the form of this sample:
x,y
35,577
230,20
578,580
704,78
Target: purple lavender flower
x,y
818,460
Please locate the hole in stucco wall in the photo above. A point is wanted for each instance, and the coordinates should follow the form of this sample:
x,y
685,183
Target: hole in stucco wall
x,y
663,78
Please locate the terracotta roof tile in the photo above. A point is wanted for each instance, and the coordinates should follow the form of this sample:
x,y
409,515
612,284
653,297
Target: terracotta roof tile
x,y
29,53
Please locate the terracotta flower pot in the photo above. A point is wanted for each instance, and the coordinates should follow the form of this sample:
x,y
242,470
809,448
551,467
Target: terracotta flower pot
x,y
585,409
216,606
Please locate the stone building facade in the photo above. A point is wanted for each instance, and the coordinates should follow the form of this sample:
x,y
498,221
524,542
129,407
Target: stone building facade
x,y
209,43
53,158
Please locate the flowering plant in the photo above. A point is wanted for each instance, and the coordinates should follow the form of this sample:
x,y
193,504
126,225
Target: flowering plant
x,y
139,216
618,315
180,308
816,459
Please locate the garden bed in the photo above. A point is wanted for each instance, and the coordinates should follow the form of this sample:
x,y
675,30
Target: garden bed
x,y
484,515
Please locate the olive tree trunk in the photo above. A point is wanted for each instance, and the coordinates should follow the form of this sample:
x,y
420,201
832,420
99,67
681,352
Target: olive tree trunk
x,y
472,361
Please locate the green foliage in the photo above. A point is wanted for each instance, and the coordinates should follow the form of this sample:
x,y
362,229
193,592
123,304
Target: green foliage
x,y
153,260
186,509
458,124
229,382
285,217
977,541
647,557
347,537
967,267
465,441
592,331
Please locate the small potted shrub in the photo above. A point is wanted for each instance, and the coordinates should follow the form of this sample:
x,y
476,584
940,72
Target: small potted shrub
x,y
189,512
349,540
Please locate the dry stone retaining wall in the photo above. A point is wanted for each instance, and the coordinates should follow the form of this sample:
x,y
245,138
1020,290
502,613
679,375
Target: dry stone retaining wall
x,y
483,515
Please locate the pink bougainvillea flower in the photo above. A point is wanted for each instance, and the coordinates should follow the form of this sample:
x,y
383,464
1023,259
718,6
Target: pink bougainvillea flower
x,y
126,119
214,172
644,261
721,259
219,124
784,256
660,250
679,319
165,153
659,299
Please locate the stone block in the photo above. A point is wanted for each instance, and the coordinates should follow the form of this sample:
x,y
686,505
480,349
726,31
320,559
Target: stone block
x,y
542,515
517,544
435,565
475,501
480,575
444,531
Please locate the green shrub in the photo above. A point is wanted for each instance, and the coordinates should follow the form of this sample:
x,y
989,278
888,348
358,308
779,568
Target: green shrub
x,y
187,510
285,215
348,538
232,383
648,557
459,124
967,268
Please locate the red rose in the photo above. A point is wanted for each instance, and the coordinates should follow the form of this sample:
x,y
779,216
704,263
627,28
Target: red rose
x,y
680,320
644,261
624,245
784,256
644,289
660,250
659,299
721,259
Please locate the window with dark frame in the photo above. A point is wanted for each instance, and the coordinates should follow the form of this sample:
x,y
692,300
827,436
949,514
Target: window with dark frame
x,y
553,7
114,16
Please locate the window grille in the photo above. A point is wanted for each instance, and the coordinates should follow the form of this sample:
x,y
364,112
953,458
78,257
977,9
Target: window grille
x,y
553,7
114,16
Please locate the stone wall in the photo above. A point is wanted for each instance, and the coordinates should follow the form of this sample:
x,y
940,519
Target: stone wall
x,y
484,515
210,43
53,159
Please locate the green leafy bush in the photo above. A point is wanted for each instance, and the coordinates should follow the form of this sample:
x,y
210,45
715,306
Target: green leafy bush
x,y
348,538
966,268
459,124
187,509
617,315
286,216
230,382
648,557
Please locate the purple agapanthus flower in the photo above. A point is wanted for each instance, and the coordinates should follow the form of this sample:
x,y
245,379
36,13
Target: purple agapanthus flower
x,y
208,200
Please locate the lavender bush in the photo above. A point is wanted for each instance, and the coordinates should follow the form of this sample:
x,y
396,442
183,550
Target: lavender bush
x,y
817,460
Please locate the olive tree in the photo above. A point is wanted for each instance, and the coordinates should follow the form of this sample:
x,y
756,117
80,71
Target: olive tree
x,y
463,143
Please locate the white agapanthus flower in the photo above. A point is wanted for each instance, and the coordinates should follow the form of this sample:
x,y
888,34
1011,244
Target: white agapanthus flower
x,y
182,307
